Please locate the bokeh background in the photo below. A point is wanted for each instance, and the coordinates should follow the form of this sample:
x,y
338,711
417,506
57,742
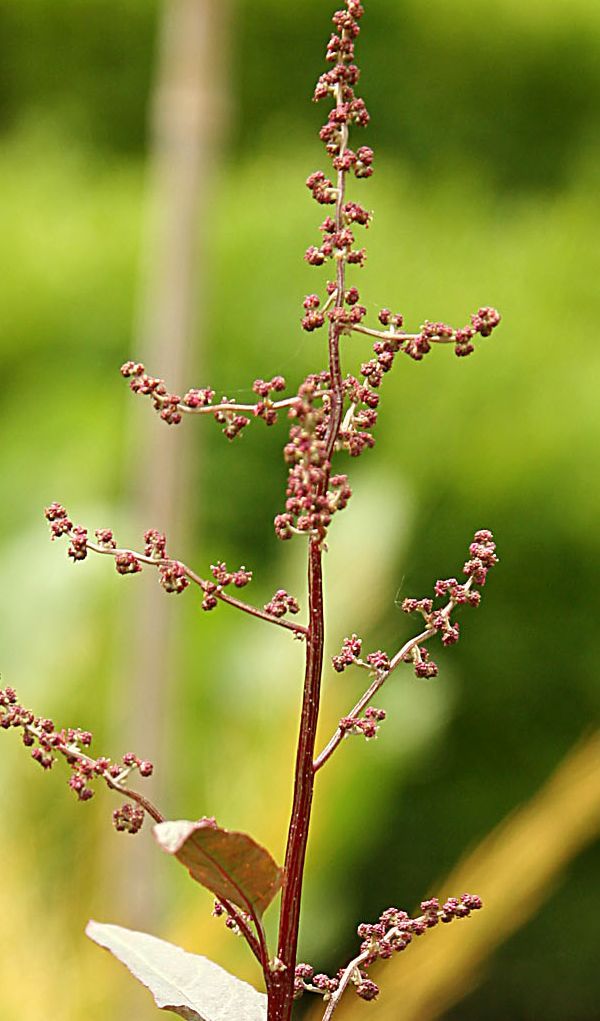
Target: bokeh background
x,y
152,159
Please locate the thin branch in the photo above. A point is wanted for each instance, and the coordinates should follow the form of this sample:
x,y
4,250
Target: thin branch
x,y
71,752
400,337
257,947
352,971
369,694
219,593
299,630
382,334
344,983
137,797
379,681
209,409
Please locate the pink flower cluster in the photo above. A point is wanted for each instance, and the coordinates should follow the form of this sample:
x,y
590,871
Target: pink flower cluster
x,y
416,346
129,818
366,725
349,110
281,603
393,932
313,496
482,557
482,553
47,743
223,578
232,922
171,407
174,576
350,653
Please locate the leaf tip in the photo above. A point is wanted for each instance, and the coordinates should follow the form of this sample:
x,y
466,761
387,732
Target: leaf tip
x,y
170,836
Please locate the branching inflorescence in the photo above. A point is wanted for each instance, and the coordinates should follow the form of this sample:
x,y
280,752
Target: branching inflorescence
x,y
330,414
47,744
391,934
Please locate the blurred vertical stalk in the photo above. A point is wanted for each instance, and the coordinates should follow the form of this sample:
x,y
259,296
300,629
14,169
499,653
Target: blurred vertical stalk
x,y
187,114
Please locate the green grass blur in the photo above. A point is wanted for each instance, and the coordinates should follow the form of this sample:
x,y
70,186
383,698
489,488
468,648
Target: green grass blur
x,y
485,192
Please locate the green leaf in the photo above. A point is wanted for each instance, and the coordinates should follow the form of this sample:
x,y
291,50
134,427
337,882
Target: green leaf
x,y
186,984
230,864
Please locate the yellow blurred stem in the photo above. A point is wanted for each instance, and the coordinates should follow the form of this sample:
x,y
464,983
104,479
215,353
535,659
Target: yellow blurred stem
x,y
513,870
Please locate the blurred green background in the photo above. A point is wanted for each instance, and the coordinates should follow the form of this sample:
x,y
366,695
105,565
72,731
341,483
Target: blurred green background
x,y
487,139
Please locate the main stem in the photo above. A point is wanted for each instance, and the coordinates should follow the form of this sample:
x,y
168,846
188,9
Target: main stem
x,y
280,983
281,986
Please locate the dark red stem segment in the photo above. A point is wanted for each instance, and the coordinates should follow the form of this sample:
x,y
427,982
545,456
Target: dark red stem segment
x,y
281,982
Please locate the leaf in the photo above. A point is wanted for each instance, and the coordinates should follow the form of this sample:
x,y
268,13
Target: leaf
x,y
230,864
189,985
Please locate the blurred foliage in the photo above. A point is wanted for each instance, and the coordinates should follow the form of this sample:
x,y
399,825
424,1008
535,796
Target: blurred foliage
x,y
84,63
512,869
485,191
509,89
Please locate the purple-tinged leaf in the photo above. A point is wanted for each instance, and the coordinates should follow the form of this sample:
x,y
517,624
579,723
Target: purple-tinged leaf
x,y
186,984
230,864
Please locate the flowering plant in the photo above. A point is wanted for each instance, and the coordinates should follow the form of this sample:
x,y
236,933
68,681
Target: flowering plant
x,y
330,414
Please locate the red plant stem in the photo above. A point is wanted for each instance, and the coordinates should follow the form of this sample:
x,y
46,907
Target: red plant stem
x,y
280,983
281,991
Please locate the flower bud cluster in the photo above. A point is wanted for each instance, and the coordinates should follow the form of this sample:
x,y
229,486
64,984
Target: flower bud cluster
x,y
223,578
47,743
155,544
220,911
344,318
416,346
385,351
61,524
483,322
127,563
312,496
281,603
393,932
173,576
336,245
355,434
313,319
129,818
265,407
425,668
349,110
306,981
482,553
395,929
168,405
233,423
350,653
366,725
483,556
378,662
